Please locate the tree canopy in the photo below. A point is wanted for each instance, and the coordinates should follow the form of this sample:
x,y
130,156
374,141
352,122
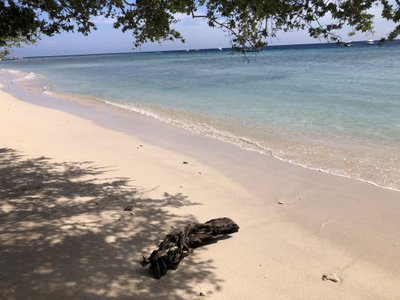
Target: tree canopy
x,y
249,23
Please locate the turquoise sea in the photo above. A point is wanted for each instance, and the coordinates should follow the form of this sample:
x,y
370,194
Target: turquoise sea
x,y
321,106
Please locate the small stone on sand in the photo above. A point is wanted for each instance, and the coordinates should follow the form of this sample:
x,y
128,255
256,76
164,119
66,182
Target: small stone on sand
x,y
279,202
331,277
128,208
202,294
185,162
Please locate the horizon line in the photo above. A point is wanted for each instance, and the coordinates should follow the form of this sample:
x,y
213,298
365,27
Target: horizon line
x,y
214,49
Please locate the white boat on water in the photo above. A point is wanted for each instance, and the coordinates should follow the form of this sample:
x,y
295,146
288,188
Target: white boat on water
x,y
348,43
370,42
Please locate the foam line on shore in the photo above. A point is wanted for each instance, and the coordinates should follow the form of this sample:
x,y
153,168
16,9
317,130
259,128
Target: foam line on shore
x,y
238,141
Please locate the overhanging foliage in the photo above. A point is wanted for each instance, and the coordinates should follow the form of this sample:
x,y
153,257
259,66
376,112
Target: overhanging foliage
x,y
248,23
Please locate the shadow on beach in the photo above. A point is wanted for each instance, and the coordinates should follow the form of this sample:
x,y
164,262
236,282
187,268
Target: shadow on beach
x,y
64,234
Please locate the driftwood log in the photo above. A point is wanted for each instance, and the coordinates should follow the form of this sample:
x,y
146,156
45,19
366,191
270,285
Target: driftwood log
x,y
180,243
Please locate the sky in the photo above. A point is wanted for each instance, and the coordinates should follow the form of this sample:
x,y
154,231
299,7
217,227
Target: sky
x,y
197,33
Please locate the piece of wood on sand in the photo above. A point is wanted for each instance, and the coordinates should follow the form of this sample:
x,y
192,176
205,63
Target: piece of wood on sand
x,y
180,243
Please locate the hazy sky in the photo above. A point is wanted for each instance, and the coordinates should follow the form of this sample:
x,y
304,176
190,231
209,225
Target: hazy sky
x,y
196,32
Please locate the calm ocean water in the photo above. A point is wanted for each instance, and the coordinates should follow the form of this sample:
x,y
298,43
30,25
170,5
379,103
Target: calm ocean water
x,y
324,107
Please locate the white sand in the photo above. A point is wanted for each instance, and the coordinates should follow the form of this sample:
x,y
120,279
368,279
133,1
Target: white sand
x,y
64,234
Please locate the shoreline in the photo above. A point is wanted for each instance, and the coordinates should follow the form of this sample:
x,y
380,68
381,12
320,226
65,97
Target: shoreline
x,y
255,146
20,85
208,150
325,222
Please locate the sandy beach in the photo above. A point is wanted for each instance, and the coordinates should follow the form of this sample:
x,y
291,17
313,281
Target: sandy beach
x,y
68,170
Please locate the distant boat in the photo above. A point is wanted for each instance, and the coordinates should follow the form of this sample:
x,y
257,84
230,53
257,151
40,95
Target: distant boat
x,y
12,58
370,42
220,49
348,44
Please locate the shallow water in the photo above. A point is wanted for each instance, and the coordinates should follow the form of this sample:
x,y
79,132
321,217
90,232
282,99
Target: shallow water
x,y
329,108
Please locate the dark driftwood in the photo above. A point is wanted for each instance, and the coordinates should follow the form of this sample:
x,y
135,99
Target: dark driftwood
x,y
180,243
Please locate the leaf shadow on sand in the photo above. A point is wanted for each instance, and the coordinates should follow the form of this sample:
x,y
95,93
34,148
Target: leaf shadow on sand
x,y
64,235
